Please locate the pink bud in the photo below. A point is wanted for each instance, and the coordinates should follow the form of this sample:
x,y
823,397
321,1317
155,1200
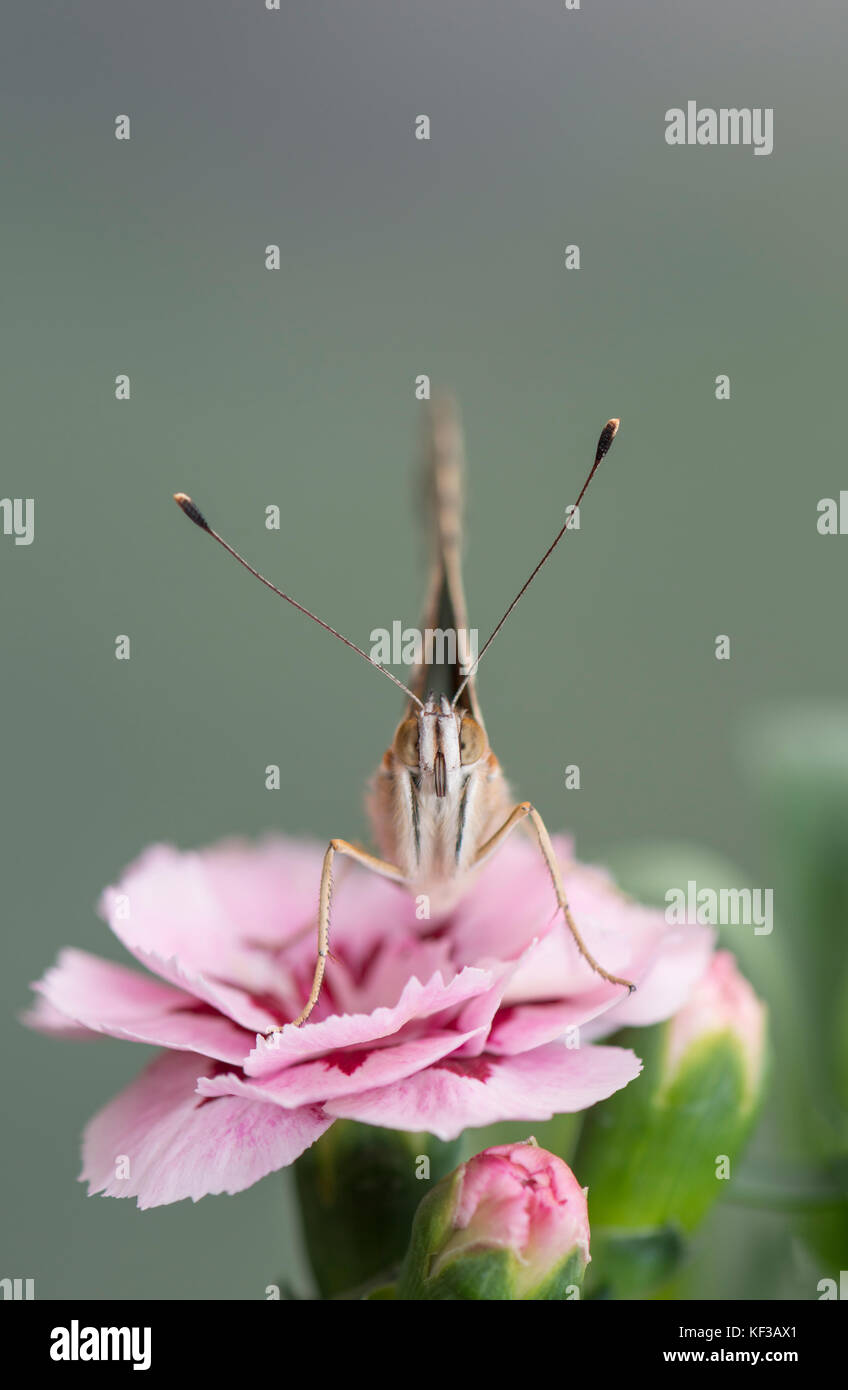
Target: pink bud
x,y
523,1199
722,1002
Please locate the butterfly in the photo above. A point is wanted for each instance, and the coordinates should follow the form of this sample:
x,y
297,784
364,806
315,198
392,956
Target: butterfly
x,y
439,803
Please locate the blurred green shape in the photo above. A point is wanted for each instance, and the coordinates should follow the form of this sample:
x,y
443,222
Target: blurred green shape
x,y
797,761
780,1186
358,1189
627,1264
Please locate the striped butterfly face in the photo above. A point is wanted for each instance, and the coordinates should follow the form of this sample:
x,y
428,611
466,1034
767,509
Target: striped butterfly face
x,y
438,784
440,748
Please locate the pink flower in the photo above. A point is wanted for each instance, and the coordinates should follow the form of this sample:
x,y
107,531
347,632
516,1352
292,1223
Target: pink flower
x,y
421,1025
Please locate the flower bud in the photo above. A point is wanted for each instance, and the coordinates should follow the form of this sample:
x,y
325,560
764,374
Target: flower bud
x,y
723,1006
510,1223
654,1155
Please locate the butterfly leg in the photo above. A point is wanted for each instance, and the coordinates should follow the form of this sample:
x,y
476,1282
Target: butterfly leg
x,y
370,861
518,814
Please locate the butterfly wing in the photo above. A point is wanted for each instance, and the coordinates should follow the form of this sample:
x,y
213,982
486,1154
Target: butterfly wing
x,y
443,478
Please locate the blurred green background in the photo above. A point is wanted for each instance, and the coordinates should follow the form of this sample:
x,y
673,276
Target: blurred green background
x,y
295,388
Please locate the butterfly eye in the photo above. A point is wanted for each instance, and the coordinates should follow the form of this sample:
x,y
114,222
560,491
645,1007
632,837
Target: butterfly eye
x,y
406,742
472,741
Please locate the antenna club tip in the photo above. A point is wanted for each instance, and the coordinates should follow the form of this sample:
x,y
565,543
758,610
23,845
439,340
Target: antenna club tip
x,y
193,513
608,433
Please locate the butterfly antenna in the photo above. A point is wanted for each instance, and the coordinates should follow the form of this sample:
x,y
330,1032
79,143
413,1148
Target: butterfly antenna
x,y
607,435
194,514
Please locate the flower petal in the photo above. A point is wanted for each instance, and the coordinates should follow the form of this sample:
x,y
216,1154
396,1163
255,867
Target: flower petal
x,y
510,904
679,961
45,1018
460,1093
522,1027
511,912
417,1001
179,1144
267,892
167,906
344,1071
251,1014
107,998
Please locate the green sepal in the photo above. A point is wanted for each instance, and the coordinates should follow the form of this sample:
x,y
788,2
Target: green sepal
x,y
475,1275
430,1228
651,1153
562,1285
488,1274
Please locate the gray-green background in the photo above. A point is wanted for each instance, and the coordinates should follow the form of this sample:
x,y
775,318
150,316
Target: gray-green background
x,y
295,388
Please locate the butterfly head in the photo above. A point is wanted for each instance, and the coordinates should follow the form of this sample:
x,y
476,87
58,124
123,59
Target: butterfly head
x,y
439,742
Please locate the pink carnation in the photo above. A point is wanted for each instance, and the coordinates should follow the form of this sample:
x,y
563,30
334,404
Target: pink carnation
x,y
421,1025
